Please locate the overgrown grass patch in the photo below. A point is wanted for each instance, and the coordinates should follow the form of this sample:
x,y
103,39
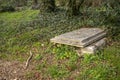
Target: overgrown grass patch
x,y
57,72
65,52
25,31
26,15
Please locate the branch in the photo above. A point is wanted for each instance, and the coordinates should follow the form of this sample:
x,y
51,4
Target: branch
x,y
28,60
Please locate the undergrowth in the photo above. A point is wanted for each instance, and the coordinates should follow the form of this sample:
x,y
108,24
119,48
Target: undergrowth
x,y
21,32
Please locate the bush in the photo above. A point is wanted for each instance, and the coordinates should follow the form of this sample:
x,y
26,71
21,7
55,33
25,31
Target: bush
x,y
7,8
47,5
61,2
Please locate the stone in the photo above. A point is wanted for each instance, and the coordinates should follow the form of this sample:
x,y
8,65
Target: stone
x,y
93,48
80,38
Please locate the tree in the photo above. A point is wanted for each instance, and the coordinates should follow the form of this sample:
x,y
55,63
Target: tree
x,y
47,5
35,4
73,7
19,3
6,6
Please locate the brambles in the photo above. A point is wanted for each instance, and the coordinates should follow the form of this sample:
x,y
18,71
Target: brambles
x,y
47,6
73,7
6,7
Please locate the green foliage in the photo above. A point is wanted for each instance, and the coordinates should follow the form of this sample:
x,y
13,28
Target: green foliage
x,y
47,6
88,58
12,39
57,72
41,66
61,2
3,56
73,7
25,30
111,54
71,65
38,56
6,6
64,52
101,71
18,17
29,75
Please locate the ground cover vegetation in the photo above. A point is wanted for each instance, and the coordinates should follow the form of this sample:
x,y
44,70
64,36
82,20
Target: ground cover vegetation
x,y
25,27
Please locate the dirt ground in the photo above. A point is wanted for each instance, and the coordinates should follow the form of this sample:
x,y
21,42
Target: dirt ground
x,y
14,70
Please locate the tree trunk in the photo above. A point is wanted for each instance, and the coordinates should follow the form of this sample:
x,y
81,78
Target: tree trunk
x,y
47,5
35,2
73,7
20,3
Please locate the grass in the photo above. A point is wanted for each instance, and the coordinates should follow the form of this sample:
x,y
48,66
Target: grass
x,y
19,16
57,72
21,32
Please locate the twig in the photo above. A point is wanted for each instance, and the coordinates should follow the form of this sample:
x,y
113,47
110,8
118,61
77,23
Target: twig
x,y
28,60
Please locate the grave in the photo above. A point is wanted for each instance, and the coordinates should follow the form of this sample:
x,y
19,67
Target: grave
x,y
84,38
93,48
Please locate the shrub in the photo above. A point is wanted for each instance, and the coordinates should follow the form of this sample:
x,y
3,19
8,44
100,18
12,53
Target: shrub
x,y
7,8
61,2
47,5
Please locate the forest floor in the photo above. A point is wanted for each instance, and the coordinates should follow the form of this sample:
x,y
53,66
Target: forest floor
x,y
12,70
24,32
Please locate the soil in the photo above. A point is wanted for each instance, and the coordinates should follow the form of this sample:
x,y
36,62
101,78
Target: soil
x,y
14,70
